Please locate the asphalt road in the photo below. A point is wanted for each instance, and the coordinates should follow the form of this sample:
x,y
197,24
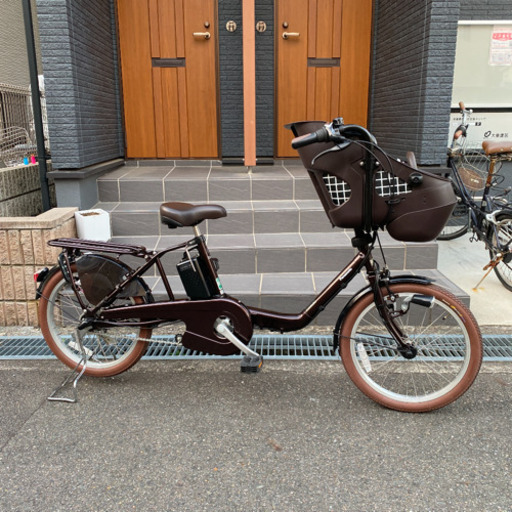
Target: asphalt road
x,y
201,436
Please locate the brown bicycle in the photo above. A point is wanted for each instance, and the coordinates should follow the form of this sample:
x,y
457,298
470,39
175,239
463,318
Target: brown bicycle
x,y
406,343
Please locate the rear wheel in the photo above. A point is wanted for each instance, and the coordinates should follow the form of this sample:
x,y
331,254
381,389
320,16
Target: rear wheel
x,y
109,351
446,348
503,235
458,223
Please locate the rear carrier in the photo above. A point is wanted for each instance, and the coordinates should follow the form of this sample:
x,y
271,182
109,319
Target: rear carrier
x,y
413,205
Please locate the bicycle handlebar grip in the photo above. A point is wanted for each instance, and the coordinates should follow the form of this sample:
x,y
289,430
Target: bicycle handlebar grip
x,y
462,106
321,135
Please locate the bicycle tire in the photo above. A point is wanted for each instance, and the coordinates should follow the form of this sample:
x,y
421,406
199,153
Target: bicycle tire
x,y
446,336
504,231
59,314
457,224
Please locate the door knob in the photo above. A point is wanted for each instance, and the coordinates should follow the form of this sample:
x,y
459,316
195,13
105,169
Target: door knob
x,y
290,35
202,35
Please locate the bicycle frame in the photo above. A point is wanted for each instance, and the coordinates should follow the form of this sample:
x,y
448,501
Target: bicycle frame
x,y
202,335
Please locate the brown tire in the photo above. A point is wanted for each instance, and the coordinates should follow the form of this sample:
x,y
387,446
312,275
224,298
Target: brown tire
x,y
110,352
444,333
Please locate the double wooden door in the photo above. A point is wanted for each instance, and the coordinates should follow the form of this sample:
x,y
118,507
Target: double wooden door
x,y
323,63
168,62
169,71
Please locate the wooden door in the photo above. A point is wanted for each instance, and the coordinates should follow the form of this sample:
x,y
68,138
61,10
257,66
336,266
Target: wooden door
x,y
323,63
168,64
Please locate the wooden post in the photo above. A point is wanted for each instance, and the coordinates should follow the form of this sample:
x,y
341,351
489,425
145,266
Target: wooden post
x,y
249,54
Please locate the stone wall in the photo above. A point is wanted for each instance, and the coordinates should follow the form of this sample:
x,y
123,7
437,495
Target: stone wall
x,y
20,191
23,250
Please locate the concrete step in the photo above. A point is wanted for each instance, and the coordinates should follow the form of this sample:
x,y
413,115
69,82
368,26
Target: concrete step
x,y
289,252
158,183
291,292
244,217
275,220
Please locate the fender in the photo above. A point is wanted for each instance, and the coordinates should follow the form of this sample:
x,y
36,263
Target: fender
x,y
368,289
45,274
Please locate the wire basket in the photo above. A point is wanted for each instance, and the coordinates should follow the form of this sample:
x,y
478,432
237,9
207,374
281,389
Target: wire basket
x,y
472,165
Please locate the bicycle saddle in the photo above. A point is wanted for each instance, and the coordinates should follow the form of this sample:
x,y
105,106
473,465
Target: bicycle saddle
x,y
177,215
492,147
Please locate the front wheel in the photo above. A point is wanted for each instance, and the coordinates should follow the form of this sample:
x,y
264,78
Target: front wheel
x,y
108,351
503,234
446,341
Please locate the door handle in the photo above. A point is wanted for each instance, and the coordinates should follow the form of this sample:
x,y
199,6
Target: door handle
x,y
289,35
202,35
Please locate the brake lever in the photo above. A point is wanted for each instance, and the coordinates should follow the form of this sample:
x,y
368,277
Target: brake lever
x,y
338,147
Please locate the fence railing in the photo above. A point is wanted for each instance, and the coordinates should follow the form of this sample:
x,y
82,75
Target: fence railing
x,y
17,131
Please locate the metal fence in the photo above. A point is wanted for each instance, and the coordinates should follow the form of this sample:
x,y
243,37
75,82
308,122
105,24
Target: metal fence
x,y
17,131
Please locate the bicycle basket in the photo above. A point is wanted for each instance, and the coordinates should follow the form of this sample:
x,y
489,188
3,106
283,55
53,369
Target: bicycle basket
x,y
412,210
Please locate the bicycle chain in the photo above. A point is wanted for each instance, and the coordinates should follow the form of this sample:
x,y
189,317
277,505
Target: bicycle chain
x,y
148,340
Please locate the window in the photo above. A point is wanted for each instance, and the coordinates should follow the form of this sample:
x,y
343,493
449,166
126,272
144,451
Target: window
x,y
483,65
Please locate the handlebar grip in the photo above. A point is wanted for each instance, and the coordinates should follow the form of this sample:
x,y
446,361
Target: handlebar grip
x,y
321,135
462,106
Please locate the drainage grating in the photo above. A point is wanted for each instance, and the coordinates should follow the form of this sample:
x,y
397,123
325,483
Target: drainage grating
x,y
496,348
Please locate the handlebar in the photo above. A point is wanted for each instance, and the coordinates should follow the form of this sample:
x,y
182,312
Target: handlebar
x,y
462,129
334,132
321,135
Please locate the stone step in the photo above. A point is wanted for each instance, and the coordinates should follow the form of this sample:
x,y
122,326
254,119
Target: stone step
x,y
244,217
206,183
288,252
291,292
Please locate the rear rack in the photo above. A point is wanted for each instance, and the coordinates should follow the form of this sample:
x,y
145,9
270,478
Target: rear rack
x,y
92,245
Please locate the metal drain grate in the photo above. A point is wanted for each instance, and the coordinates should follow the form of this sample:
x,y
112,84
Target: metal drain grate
x,y
496,348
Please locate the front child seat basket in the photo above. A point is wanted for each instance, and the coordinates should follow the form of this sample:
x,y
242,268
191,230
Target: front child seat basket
x,y
413,205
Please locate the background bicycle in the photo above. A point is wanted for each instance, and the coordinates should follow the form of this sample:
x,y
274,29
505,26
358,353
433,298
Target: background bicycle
x,y
483,199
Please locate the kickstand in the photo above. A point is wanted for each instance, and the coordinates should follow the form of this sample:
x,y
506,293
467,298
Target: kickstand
x,y
74,376
489,267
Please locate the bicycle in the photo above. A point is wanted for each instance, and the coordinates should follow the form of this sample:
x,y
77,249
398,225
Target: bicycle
x,y
406,343
489,216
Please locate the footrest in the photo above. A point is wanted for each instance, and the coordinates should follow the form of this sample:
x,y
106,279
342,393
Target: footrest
x,y
251,364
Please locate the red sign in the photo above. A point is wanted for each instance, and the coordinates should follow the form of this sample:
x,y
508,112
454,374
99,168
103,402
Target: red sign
x,y
502,36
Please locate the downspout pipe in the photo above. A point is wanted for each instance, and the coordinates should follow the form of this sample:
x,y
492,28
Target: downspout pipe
x,y
36,104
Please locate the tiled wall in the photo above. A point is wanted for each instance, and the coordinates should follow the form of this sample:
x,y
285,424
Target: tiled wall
x,y
81,75
414,56
24,249
485,10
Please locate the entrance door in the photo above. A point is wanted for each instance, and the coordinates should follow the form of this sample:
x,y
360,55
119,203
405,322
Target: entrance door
x,y
168,63
323,63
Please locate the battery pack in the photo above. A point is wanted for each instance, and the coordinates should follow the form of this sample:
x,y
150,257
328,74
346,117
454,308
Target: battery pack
x,y
195,279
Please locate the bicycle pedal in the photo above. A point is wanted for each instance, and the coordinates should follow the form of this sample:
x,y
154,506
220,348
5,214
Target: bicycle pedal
x,y
251,364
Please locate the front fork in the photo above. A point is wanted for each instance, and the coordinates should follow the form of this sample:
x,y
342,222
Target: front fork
x,y
388,308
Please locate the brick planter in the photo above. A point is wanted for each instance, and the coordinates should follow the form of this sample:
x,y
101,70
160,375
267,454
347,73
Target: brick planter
x,y
23,249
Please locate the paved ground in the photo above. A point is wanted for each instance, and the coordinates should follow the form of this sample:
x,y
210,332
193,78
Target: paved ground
x,y
462,261
201,436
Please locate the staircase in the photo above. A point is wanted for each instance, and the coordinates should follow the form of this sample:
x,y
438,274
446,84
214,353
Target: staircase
x,y
276,247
